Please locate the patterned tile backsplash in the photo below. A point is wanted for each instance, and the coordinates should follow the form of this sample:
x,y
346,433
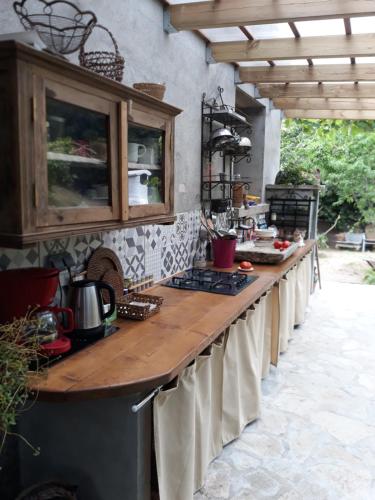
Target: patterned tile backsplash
x,y
143,250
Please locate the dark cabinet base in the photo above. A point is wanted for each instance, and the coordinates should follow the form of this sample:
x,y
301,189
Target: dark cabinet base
x,y
100,446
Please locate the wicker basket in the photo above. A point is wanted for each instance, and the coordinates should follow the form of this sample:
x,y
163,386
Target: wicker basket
x,y
156,90
105,63
131,311
61,25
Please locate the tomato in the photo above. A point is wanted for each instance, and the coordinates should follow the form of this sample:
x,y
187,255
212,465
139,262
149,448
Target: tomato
x,y
277,245
286,244
246,265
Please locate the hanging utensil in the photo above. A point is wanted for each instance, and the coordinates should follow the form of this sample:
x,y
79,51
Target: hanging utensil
x,y
210,224
205,225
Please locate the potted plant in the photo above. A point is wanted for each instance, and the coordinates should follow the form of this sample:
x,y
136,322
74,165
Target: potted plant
x,y
154,184
296,176
18,349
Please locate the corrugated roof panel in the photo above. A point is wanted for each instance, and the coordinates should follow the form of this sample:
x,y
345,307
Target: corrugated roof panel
x,y
291,62
332,60
254,63
363,25
172,2
264,31
224,34
365,60
321,28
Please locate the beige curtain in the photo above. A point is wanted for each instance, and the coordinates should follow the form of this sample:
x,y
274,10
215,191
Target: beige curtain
x,y
287,291
243,360
211,402
300,292
308,277
174,428
267,334
208,410
187,425
303,286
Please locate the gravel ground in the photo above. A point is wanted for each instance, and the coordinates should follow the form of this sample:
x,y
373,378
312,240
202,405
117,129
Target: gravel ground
x,y
344,266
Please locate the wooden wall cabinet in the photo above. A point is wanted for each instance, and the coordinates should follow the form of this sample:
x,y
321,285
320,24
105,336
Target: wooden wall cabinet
x,y
78,153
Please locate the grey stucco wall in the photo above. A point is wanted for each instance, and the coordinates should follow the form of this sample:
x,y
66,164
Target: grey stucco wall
x,y
265,137
272,137
152,55
254,169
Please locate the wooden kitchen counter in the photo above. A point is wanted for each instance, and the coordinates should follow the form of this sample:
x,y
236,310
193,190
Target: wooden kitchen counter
x,y
145,354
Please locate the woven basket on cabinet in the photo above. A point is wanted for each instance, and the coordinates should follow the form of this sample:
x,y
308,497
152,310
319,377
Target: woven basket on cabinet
x,y
104,62
156,90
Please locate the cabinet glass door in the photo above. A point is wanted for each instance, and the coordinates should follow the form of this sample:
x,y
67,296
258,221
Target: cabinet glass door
x,y
145,165
149,154
77,178
77,155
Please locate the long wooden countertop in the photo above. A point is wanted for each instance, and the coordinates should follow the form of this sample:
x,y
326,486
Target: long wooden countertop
x,y
145,354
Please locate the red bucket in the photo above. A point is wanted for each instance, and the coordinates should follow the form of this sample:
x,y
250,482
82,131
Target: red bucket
x,y
224,251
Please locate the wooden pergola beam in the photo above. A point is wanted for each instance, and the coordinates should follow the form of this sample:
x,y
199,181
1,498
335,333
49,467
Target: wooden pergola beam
x,y
292,48
322,73
330,114
314,90
325,104
223,13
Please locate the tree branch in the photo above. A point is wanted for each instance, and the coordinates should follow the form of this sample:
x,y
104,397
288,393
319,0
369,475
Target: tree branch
x,y
332,227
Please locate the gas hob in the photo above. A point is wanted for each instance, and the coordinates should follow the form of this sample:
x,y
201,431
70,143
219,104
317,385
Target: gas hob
x,y
208,280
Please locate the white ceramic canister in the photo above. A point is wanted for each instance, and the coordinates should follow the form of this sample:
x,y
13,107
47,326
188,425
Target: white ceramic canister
x,y
138,188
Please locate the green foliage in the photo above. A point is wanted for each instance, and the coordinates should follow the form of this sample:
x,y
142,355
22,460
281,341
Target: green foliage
x,y
16,353
344,153
323,241
370,277
58,170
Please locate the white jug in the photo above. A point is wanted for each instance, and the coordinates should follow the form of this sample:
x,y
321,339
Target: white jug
x,y
138,192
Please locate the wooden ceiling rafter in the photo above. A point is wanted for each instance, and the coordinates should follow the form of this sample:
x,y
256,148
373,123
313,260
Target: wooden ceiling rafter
x,y
312,47
301,91
324,103
312,90
330,114
348,32
316,73
250,37
230,13
297,35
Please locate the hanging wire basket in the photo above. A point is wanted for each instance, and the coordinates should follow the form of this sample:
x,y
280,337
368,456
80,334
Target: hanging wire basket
x,y
60,24
106,63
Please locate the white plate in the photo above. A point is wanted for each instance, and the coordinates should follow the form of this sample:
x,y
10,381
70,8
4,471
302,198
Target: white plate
x,y
245,270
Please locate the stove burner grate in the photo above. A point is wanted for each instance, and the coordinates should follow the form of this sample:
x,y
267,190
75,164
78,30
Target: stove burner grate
x,y
208,280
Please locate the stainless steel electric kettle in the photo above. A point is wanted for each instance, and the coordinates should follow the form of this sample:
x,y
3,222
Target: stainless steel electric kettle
x,y
87,304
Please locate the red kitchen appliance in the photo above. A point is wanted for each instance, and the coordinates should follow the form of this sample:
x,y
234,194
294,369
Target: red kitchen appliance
x,y
62,343
22,290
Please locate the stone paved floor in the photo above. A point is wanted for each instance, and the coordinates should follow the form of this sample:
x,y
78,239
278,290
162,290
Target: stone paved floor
x,y
316,436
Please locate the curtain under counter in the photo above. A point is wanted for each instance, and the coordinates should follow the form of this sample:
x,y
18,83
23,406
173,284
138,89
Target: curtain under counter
x,y
211,402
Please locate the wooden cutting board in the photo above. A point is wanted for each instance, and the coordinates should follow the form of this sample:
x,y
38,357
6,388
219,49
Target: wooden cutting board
x,y
263,254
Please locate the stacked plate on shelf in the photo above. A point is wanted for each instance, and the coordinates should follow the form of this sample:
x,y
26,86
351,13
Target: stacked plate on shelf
x,y
104,265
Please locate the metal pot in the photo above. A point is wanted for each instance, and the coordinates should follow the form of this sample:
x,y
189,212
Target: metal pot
x,y
220,138
242,147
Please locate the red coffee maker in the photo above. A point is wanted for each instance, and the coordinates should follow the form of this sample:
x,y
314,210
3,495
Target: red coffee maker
x,y
22,290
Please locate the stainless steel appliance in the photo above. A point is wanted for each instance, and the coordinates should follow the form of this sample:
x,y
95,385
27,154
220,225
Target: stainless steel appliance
x,y
87,304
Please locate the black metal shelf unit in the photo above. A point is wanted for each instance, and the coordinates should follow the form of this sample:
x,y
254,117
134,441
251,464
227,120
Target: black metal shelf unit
x,y
217,188
293,208
290,214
